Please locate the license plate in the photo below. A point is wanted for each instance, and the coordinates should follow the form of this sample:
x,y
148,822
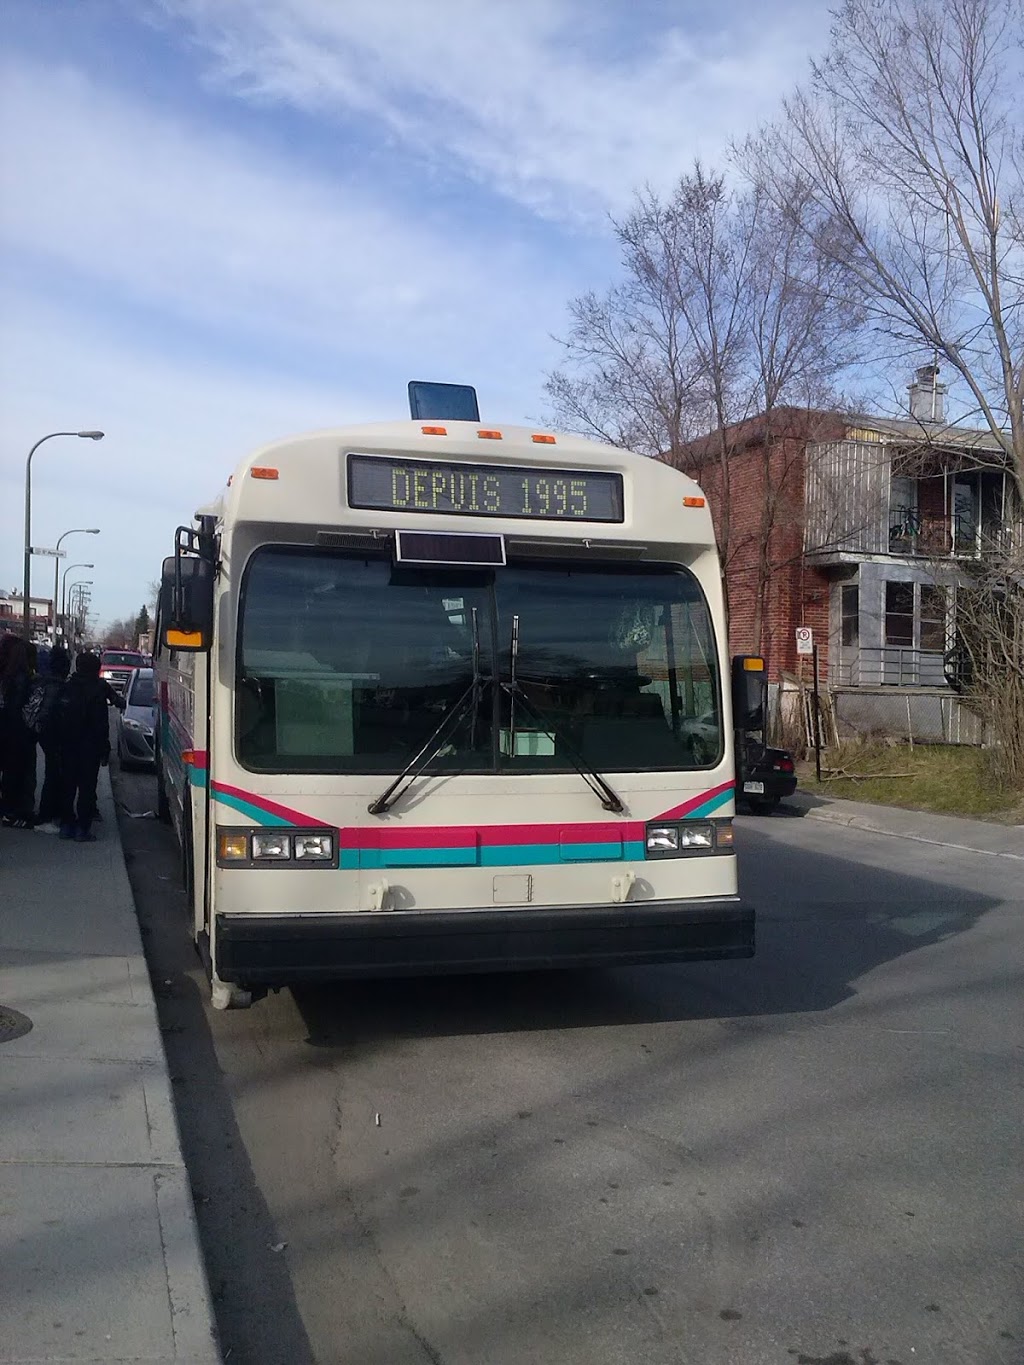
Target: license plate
x,y
756,787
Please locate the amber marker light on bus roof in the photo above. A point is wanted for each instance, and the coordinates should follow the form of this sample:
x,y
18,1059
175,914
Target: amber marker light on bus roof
x,y
434,431
693,502
489,435
262,471
542,439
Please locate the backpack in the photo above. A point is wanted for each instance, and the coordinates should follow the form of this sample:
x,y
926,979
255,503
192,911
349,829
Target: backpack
x,y
32,711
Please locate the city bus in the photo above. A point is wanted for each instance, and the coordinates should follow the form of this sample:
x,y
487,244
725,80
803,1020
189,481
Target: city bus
x,y
436,696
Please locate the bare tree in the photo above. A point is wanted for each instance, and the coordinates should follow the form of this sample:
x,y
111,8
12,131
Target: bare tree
x,y
909,142
727,312
986,663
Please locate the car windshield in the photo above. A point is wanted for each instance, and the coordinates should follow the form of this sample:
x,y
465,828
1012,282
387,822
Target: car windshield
x,y
348,665
142,691
120,657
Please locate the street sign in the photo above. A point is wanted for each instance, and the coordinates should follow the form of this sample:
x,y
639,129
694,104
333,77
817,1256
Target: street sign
x,y
804,640
54,554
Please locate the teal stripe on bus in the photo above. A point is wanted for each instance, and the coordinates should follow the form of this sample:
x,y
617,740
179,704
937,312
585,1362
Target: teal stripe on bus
x,y
493,855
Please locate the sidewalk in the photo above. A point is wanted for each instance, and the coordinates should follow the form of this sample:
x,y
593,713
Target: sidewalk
x,y
99,1255
945,831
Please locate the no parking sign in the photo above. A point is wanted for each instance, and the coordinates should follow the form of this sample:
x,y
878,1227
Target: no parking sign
x,y
804,640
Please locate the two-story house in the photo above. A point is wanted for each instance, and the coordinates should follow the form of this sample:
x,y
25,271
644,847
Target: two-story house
x,y
861,528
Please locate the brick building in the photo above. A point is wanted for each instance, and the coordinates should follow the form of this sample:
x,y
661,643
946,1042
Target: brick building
x,y
759,505
859,528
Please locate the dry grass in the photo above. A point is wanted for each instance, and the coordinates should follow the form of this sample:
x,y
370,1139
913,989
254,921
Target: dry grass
x,y
949,779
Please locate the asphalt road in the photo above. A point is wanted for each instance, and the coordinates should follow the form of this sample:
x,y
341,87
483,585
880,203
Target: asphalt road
x,y
812,1158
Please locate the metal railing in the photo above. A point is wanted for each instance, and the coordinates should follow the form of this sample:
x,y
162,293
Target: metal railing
x,y
888,666
956,535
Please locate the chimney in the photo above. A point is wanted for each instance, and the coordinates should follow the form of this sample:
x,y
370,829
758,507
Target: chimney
x,y
926,395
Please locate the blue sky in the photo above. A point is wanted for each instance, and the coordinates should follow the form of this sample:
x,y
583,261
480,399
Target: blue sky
x,y
225,220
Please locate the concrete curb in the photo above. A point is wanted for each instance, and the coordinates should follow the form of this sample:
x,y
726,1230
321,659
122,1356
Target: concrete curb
x,y
845,813
192,1319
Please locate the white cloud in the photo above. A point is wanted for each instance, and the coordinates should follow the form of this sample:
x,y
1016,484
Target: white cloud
x,y
171,214
512,90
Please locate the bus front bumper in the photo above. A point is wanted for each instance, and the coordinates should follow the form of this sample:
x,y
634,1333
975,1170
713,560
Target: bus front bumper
x,y
269,949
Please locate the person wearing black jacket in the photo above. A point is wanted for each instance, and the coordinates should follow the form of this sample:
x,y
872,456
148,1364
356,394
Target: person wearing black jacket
x,y
17,742
84,747
50,686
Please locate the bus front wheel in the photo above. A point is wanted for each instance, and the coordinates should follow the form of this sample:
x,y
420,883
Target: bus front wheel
x,y
225,995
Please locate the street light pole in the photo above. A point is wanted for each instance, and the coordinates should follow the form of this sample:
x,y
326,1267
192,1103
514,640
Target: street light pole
x,y
27,605
77,531
64,584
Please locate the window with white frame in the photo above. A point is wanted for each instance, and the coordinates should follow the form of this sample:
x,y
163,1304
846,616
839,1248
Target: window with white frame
x,y
915,615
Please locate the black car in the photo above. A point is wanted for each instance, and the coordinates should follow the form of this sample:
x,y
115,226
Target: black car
x,y
765,776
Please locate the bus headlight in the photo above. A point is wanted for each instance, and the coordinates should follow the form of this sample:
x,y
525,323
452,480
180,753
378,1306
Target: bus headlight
x,y
688,836
313,848
277,846
284,847
662,838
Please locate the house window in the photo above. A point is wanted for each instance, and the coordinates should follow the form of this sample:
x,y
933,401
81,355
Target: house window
x,y
915,615
850,614
933,617
899,614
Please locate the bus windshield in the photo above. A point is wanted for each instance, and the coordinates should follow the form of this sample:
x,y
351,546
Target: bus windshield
x,y
347,665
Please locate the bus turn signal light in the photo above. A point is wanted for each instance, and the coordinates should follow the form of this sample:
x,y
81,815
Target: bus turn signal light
x,y
233,848
183,639
693,502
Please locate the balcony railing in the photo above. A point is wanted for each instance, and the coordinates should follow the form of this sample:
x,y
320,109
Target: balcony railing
x,y
888,666
957,536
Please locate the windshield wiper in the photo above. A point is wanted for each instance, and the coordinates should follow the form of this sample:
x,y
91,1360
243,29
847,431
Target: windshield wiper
x,y
609,799
442,732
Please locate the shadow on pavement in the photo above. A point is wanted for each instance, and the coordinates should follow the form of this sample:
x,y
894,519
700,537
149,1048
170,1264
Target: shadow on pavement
x,y
831,921
257,1317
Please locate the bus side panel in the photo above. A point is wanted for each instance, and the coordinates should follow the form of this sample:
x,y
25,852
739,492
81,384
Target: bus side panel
x,y
181,692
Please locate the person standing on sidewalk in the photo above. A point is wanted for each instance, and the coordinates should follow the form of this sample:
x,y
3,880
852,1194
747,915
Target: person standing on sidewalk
x,y
17,743
50,692
84,742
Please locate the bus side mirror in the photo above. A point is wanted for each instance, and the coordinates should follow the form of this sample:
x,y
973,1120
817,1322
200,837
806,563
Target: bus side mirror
x,y
186,604
749,692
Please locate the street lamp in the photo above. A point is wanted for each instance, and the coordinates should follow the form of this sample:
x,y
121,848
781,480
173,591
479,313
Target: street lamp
x,y
78,531
85,435
64,584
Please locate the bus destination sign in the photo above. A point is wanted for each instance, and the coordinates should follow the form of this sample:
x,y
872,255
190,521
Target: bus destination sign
x,y
389,484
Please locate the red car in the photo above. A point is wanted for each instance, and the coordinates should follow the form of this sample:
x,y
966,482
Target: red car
x,y
118,665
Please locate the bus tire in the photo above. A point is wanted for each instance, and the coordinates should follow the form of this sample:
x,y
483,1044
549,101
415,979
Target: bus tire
x,y
225,995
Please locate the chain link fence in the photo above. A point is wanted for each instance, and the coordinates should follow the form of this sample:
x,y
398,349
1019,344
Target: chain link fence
x,y
870,715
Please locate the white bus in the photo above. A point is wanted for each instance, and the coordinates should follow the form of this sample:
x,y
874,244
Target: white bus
x,y
472,678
